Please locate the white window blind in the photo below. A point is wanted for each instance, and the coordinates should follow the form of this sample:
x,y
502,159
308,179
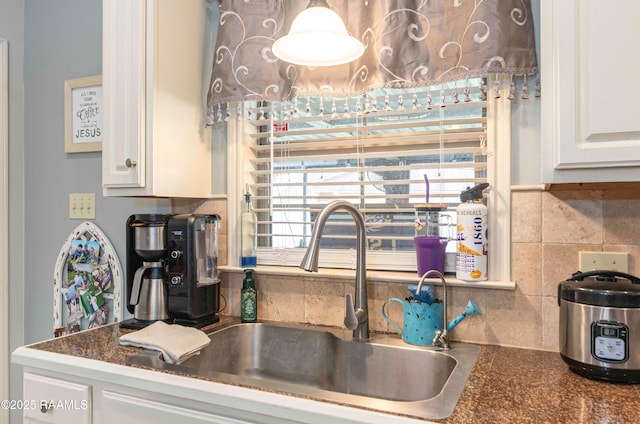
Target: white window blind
x,y
375,151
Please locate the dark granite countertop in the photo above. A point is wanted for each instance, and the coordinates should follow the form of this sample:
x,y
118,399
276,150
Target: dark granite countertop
x,y
507,385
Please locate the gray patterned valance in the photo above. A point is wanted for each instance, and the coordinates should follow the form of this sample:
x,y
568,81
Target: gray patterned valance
x,y
408,43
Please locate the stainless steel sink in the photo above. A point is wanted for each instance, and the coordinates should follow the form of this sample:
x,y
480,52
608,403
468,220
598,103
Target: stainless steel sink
x,y
384,373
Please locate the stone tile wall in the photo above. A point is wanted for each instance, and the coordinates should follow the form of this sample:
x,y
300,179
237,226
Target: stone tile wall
x,y
549,228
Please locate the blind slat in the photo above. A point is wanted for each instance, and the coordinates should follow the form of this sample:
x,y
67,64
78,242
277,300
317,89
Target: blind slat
x,y
471,165
402,208
369,130
347,142
337,236
416,197
368,155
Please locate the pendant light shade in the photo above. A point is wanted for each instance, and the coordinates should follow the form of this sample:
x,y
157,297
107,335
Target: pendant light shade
x,y
318,37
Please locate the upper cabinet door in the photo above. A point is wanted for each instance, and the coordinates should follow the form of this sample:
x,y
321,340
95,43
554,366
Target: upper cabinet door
x,y
123,81
156,63
591,90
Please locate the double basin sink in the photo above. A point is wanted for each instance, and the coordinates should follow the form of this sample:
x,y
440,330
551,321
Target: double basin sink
x,y
382,374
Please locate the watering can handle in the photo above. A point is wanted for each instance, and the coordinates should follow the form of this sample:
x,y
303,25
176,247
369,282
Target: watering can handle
x,y
384,314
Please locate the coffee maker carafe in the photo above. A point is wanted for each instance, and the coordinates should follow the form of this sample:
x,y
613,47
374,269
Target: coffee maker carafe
x,y
149,292
147,296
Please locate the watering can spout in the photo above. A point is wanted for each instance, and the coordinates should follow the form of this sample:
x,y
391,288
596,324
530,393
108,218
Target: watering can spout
x,y
471,309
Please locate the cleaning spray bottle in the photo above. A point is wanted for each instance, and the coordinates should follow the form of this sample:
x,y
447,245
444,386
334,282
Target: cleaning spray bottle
x,y
248,233
471,253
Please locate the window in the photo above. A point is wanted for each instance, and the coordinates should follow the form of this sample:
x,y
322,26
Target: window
x,y
376,151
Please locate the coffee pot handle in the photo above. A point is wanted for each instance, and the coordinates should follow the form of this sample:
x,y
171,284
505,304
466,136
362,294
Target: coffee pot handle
x,y
135,290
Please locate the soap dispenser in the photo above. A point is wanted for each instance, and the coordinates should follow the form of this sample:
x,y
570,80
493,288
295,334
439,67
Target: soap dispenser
x,y
248,298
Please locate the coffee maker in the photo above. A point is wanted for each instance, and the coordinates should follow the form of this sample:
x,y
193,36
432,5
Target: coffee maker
x,y
172,269
146,277
194,286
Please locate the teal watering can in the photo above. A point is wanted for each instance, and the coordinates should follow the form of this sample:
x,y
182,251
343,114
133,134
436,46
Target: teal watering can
x,y
422,320
423,315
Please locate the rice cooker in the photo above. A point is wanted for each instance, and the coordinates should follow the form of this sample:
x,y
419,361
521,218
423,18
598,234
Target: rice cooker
x,y
600,325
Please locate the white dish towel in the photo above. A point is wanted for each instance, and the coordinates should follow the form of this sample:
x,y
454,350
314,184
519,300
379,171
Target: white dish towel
x,y
176,342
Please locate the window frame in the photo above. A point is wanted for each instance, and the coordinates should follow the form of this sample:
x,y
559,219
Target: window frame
x,y
498,199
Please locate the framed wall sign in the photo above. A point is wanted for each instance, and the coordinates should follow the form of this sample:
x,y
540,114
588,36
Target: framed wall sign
x,y
83,114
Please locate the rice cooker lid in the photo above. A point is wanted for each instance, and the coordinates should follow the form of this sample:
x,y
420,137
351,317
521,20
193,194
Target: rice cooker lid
x,y
601,288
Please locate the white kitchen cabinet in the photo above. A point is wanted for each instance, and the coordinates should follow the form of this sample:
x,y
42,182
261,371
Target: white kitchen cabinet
x,y
129,395
121,408
57,400
154,71
590,91
49,400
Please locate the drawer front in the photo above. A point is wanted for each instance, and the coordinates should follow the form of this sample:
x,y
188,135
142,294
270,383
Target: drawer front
x,y
55,401
120,408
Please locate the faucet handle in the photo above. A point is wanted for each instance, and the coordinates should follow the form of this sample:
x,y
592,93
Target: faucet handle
x,y
350,319
441,340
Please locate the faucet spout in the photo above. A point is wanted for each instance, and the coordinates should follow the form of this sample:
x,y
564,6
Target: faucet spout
x,y
357,314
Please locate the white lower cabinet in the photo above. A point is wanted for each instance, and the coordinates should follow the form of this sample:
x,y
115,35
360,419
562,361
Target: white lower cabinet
x,y
124,409
86,391
60,401
71,399
49,400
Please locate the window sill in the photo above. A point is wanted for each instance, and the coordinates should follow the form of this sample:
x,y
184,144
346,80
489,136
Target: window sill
x,y
372,275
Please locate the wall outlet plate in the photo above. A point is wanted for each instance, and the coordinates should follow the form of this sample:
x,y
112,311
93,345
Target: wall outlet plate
x,y
605,261
82,205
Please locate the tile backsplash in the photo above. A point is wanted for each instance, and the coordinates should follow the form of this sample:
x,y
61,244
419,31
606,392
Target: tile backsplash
x,y
548,229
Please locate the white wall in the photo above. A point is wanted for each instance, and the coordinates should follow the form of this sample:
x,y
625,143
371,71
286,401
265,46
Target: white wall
x,y
12,29
525,150
63,39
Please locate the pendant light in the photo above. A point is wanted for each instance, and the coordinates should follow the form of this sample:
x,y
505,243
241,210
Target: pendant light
x,y
318,37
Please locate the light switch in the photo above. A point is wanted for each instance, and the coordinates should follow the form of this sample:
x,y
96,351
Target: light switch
x,y
82,205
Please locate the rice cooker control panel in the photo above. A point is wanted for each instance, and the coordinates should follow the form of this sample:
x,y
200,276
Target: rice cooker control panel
x,y
609,341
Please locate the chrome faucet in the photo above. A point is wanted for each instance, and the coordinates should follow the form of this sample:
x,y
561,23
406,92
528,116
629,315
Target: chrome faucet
x,y
441,339
356,316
